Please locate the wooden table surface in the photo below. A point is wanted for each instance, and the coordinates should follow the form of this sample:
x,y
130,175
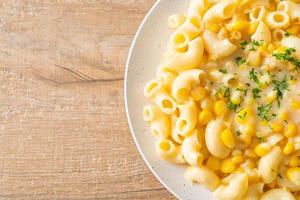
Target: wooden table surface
x,y
63,129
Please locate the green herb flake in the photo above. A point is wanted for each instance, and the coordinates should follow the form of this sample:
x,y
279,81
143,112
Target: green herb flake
x,y
287,56
263,111
293,78
238,132
244,44
253,76
242,115
240,60
222,92
242,90
256,92
232,106
261,139
287,34
252,44
224,71
280,87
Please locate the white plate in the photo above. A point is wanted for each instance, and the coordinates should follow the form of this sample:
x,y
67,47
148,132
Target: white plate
x,y
144,56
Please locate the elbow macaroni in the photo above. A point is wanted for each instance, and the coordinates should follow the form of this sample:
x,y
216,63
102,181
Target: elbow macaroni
x,y
220,11
191,58
270,171
278,194
236,187
191,149
204,176
216,47
262,33
185,82
226,98
159,122
187,120
213,139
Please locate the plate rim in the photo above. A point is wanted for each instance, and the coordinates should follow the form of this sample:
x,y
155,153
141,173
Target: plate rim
x,y
133,44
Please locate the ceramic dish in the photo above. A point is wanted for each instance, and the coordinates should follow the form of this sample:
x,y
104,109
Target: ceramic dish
x,y
144,56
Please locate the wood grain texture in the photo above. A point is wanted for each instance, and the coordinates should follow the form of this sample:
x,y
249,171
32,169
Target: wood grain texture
x,y
63,130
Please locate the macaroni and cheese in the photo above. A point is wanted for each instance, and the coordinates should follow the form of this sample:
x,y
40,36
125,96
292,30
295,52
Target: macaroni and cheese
x,y
226,99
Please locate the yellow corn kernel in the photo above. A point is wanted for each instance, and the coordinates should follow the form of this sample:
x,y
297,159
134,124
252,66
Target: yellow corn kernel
x,y
283,115
240,170
241,116
241,86
228,138
243,66
236,100
198,93
253,176
294,29
249,129
236,152
250,153
237,159
271,97
220,108
205,116
227,166
277,127
295,104
213,163
213,27
280,49
293,174
252,28
239,25
246,139
294,162
264,50
288,148
271,48
262,149
290,130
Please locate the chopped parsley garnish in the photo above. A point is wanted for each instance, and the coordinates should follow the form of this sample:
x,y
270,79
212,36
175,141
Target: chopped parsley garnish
x,y
224,71
221,92
232,106
240,60
242,115
287,56
244,44
287,34
256,92
280,87
293,78
238,132
263,111
242,90
261,139
252,44
253,76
